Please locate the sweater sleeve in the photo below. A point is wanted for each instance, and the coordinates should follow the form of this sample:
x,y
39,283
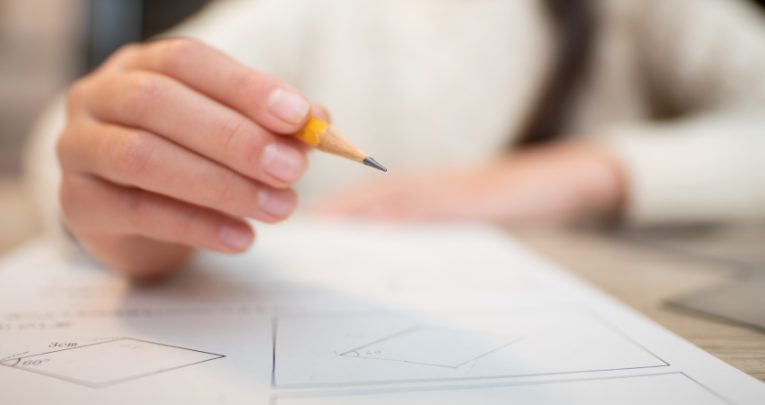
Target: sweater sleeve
x,y
268,35
705,63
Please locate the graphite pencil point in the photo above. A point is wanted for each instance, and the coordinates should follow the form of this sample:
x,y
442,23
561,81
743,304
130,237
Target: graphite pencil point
x,y
371,162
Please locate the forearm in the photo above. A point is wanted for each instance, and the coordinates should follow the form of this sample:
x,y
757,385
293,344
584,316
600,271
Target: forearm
x,y
568,182
555,183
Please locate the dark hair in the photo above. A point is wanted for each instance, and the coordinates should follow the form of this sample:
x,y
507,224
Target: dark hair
x,y
574,25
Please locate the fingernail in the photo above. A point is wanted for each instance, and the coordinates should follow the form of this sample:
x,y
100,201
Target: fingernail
x,y
277,204
283,162
237,237
288,106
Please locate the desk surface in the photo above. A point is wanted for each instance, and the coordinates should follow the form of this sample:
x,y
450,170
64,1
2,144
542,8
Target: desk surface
x,y
645,276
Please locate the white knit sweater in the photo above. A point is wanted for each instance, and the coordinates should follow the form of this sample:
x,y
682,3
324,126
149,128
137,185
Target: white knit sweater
x,y
437,82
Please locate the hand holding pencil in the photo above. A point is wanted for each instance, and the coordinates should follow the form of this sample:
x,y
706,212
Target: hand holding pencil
x,y
172,145
324,137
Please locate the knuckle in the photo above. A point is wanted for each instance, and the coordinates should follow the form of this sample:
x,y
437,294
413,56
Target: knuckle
x,y
176,51
143,90
231,130
77,94
251,147
255,87
132,154
126,52
225,188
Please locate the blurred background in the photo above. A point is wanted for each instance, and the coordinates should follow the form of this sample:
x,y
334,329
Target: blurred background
x,y
44,45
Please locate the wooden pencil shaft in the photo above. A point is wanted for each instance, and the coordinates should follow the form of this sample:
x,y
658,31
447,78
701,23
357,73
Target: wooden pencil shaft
x,y
331,141
322,136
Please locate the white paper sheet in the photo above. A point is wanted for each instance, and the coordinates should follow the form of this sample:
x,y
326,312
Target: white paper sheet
x,y
326,313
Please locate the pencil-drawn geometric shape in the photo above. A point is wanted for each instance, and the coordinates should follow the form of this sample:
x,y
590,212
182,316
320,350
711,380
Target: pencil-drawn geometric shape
x,y
363,349
433,346
110,362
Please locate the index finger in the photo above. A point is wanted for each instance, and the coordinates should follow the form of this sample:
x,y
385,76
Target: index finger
x,y
270,102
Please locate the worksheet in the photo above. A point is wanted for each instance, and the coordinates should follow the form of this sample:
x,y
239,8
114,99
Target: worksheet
x,y
341,313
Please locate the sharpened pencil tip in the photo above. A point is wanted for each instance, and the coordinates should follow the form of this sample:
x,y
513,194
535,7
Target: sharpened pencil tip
x,y
371,162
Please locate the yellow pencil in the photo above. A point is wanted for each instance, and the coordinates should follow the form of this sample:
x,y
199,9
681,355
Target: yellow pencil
x,y
324,137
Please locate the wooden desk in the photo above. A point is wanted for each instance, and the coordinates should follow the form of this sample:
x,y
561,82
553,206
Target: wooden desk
x,y
644,277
